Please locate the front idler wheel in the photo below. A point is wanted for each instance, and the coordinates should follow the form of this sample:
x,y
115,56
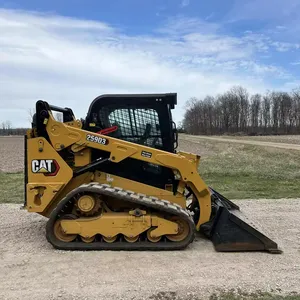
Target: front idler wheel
x,y
183,230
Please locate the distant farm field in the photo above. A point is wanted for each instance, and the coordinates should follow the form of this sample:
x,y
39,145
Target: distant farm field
x,y
237,170
11,153
290,139
241,171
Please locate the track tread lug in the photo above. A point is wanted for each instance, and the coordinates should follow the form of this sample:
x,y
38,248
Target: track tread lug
x,y
129,196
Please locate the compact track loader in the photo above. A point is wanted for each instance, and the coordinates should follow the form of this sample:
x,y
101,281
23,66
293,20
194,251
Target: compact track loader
x,y
115,181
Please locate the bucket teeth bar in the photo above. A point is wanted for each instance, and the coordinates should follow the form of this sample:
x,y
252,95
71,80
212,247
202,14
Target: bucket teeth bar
x,y
230,230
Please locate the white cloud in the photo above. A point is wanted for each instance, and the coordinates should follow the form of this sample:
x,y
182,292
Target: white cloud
x,y
47,21
277,18
211,15
69,62
280,27
295,63
291,85
179,25
284,46
185,3
263,43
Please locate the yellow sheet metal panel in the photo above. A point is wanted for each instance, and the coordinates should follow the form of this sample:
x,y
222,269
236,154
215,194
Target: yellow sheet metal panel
x,y
48,173
82,158
71,185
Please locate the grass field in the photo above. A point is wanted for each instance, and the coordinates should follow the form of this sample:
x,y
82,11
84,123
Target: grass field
x,y
245,171
11,187
240,295
236,170
227,295
248,171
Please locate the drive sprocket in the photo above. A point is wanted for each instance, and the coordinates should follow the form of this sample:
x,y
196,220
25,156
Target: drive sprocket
x,y
88,205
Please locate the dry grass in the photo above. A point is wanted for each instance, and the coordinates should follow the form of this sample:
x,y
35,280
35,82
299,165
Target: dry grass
x,y
11,187
226,295
247,171
289,139
258,295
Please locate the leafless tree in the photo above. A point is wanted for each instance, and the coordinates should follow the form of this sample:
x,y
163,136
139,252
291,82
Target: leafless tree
x,y
30,112
235,111
255,109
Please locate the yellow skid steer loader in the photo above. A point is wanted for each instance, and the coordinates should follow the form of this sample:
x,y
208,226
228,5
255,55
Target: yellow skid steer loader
x,y
114,181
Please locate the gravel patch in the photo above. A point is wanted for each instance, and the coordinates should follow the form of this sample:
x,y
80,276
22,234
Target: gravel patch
x,y
32,269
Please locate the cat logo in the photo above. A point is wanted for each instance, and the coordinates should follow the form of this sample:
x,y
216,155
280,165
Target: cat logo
x,y
49,167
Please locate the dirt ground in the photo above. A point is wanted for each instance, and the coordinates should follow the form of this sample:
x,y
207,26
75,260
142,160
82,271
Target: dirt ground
x,y
11,153
32,269
266,143
288,139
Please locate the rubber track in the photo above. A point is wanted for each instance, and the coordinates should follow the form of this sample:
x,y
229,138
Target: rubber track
x,y
162,206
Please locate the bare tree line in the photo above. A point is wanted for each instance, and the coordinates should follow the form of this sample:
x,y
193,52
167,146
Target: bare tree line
x,y
236,111
6,127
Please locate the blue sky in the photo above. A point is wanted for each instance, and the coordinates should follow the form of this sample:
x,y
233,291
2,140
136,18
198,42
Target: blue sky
x,y
68,52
